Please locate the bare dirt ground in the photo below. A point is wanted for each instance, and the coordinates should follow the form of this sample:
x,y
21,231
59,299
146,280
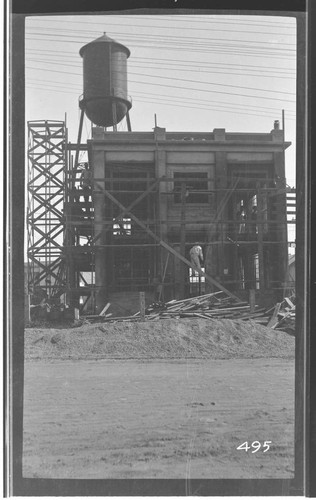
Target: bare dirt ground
x,y
89,415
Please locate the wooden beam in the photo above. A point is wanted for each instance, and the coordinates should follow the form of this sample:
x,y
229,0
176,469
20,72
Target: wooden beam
x,y
105,308
142,306
274,319
75,147
163,277
252,299
126,210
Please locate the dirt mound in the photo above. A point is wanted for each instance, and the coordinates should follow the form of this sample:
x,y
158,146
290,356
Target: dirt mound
x,y
181,338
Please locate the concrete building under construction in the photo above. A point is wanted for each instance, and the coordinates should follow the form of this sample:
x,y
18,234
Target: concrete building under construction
x,y
148,198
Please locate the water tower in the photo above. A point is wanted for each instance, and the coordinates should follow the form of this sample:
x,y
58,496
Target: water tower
x,y
105,101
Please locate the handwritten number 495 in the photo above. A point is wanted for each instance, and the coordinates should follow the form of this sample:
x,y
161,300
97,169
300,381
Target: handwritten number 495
x,y
255,446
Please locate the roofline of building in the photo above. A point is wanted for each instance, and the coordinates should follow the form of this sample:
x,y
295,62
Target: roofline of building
x,y
207,143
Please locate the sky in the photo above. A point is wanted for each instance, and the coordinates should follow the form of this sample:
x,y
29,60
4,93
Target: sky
x,y
195,72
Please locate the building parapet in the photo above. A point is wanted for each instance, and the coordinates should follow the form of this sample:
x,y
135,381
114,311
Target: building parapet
x,y
217,136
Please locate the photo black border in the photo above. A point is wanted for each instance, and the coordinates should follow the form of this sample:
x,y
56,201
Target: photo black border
x,y
19,10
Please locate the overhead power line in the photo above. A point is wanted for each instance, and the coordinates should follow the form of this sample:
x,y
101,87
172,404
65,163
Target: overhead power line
x,y
110,22
219,48
209,19
172,61
190,62
179,39
205,105
78,89
252,107
205,18
190,81
173,104
168,67
221,110
174,86
183,40
213,83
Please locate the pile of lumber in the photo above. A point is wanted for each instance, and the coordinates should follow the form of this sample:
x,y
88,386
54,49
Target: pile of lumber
x,y
212,306
209,306
218,306
283,315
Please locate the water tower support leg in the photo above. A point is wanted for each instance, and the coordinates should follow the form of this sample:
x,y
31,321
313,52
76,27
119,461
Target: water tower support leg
x,y
114,116
128,121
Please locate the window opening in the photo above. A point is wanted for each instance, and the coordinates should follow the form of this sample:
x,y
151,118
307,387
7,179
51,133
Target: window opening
x,y
122,227
256,266
196,186
197,282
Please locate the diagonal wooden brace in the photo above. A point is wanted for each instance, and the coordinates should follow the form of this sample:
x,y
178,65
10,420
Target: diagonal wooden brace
x,y
126,210
170,249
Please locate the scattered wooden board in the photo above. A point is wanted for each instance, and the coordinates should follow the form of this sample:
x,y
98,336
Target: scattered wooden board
x,y
102,313
203,307
274,319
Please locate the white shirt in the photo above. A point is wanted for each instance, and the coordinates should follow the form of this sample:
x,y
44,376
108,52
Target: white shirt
x,y
196,251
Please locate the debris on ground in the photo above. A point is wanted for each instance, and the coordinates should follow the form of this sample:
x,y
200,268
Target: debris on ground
x,y
214,305
283,316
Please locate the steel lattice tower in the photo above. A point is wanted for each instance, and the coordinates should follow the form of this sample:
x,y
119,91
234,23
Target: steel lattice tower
x,y
47,160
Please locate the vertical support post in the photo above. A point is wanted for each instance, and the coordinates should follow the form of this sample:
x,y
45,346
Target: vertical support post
x,y
101,262
161,200
163,278
73,301
27,314
142,305
215,261
252,300
280,206
92,299
182,241
260,239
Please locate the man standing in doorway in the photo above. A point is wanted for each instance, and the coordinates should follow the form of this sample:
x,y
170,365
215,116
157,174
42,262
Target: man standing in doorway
x,y
196,256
